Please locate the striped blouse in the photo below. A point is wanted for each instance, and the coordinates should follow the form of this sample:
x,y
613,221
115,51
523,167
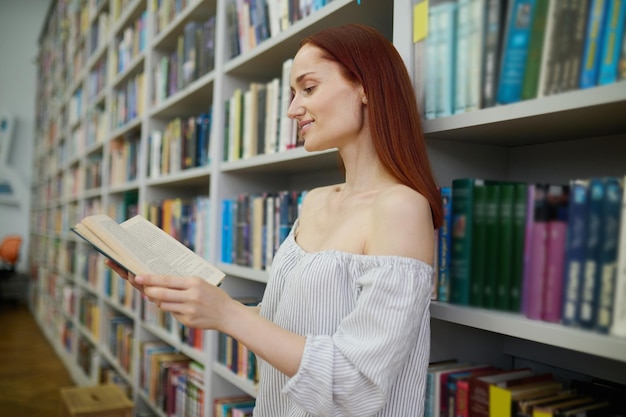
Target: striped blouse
x,y
366,322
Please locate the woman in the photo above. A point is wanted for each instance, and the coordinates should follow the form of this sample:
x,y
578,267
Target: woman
x,y
343,328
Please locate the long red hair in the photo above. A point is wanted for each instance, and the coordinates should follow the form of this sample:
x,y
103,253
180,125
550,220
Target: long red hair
x,y
369,59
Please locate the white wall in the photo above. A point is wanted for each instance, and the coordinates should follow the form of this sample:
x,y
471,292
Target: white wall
x,y
21,22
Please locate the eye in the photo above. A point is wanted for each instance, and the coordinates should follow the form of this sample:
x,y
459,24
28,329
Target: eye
x,y
309,90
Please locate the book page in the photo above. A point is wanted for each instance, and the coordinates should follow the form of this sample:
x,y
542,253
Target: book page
x,y
171,257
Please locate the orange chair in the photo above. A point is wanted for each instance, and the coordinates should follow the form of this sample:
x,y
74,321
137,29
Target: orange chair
x,y
9,256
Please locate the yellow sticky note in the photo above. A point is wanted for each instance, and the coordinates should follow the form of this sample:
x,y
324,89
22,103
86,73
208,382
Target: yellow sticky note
x,y
420,21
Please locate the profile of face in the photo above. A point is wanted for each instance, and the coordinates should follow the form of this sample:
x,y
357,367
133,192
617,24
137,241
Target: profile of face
x,y
328,108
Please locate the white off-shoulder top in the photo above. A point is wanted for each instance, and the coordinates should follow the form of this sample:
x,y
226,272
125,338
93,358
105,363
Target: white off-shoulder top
x,y
367,325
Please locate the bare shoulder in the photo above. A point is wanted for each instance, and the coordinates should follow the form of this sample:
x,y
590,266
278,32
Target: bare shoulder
x,y
316,197
402,225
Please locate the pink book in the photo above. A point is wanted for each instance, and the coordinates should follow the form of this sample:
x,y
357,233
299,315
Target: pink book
x,y
557,202
535,250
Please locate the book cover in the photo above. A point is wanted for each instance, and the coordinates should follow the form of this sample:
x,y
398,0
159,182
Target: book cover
x,y
574,250
479,388
503,401
592,46
610,46
513,66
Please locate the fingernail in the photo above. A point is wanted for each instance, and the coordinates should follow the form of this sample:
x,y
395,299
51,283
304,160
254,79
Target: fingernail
x,y
139,279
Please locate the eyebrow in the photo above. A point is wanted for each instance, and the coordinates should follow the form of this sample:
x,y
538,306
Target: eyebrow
x,y
301,76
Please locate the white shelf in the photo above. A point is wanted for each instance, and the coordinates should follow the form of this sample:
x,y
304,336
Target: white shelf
x,y
518,326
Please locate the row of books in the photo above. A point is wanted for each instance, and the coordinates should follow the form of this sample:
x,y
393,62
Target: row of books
x,y
118,337
237,406
254,226
256,119
183,144
455,388
124,158
250,22
482,53
193,56
173,382
553,252
187,220
130,44
128,103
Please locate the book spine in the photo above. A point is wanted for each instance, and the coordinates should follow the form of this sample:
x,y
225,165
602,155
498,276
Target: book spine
x,y
518,30
613,31
591,50
618,326
557,201
462,50
573,61
588,302
607,267
575,250
496,10
506,228
478,245
492,243
462,226
535,253
445,246
446,65
519,238
530,83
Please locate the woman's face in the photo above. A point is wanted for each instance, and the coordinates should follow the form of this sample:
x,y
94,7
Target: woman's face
x,y
328,108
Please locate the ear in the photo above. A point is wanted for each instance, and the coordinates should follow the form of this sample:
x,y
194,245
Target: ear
x,y
363,96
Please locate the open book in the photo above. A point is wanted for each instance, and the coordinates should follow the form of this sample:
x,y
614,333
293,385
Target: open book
x,y
140,247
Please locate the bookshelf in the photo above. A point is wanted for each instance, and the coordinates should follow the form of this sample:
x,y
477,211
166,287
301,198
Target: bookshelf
x,y
82,114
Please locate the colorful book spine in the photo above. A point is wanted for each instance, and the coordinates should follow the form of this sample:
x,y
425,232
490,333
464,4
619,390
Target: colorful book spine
x,y
445,247
591,52
496,11
607,265
575,250
535,251
618,325
446,59
588,301
518,31
612,35
557,201
530,84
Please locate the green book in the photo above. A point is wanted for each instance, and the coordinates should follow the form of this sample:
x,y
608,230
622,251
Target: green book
x,y
492,244
505,248
479,242
519,235
530,82
462,226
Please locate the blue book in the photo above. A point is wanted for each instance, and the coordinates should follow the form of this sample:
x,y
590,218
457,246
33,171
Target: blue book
x,y
591,52
588,301
611,48
518,30
227,230
607,254
574,250
445,55
444,246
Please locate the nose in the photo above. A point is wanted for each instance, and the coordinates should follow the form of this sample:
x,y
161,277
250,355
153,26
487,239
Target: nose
x,y
295,109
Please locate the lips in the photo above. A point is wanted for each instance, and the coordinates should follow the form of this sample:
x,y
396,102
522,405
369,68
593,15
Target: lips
x,y
304,126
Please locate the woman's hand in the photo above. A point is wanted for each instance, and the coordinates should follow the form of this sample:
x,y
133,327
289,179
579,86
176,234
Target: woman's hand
x,y
128,276
191,300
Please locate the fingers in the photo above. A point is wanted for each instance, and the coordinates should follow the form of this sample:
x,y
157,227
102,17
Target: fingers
x,y
115,267
176,283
